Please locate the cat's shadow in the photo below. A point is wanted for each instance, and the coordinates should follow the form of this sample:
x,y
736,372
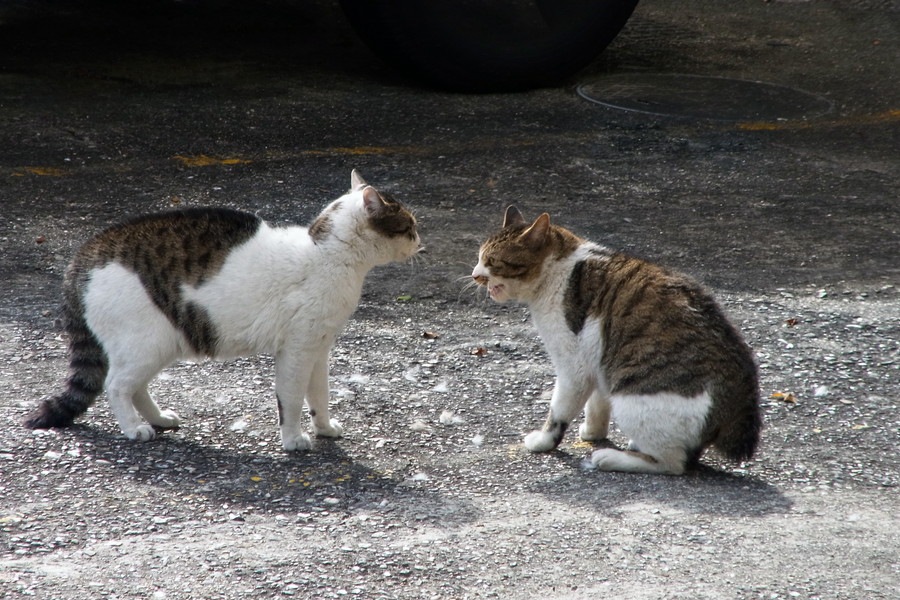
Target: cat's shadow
x,y
702,489
270,481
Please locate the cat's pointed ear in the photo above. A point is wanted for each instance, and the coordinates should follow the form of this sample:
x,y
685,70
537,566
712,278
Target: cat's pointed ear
x,y
372,201
536,235
356,181
512,216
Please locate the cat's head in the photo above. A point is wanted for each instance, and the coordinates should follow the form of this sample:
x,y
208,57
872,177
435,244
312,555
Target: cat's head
x,y
511,261
383,226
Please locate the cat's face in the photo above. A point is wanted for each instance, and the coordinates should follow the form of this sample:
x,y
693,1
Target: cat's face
x,y
370,221
393,222
511,259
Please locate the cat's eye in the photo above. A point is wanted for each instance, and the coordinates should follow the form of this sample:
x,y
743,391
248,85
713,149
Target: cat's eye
x,y
408,231
502,264
397,226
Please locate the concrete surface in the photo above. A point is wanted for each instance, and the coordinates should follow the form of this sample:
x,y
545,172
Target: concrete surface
x,y
793,223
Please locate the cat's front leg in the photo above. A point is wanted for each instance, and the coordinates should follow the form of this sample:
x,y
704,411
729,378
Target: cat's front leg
x,y
567,401
596,418
121,393
292,373
156,416
317,401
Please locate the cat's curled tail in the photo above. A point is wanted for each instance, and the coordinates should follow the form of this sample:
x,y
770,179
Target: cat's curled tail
x,y
88,366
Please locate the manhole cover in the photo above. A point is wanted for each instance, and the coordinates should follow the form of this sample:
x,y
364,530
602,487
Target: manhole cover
x,y
701,97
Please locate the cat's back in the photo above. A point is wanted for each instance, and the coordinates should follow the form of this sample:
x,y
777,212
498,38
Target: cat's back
x,y
149,261
664,333
186,245
659,326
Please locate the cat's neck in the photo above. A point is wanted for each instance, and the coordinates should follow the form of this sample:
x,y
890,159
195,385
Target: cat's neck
x,y
550,287
341,260
344,253
560,245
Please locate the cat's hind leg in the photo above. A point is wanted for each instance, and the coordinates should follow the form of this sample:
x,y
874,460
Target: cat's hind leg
x,y
665,427
139,341
670,462
121,389
568,399
317,401
126,387
156,416
596,418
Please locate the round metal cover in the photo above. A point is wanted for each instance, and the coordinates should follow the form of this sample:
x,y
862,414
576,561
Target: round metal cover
x,y
701,97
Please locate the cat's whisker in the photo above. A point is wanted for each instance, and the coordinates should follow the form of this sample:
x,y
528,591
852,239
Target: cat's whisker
x,y
420,257
479,291
467,265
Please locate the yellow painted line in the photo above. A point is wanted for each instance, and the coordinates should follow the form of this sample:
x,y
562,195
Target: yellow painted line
x,y
202,160
484,145
40,171
882,118
363,151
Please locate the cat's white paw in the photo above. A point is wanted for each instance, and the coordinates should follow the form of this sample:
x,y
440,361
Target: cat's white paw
x,y
297,442
167,419
588,435
607,459
334,429
539,441
142,433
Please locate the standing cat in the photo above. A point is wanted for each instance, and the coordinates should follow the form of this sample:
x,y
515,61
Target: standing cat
x,y
628,339
220,283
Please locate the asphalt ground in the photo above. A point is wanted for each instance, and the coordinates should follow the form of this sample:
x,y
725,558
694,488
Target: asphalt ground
x,y
782,198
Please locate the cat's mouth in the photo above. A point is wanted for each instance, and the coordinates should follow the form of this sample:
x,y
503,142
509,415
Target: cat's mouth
x,y
496,291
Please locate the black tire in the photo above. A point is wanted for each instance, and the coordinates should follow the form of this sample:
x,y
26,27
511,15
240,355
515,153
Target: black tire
x,y
488,45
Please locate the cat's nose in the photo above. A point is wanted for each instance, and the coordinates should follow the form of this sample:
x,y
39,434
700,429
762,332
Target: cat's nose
x,y
480,279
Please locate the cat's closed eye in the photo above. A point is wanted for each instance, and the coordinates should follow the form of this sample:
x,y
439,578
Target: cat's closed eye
x,y
504,267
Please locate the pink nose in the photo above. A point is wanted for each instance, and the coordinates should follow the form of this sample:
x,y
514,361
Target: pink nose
x,y
480,279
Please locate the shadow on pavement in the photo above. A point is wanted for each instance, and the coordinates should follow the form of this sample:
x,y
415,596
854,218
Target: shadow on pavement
x,y
701,490
228,482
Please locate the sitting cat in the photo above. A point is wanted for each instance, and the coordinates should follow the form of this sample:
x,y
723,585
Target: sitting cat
x,y
220,283
628,339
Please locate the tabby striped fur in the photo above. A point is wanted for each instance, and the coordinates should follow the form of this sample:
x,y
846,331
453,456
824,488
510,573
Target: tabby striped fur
x,y
631,341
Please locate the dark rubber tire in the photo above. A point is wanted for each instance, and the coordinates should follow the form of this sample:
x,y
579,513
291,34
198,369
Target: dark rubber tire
x,y
488,45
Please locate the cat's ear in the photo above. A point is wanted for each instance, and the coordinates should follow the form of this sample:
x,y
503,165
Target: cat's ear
x,y
372,201
536,236
513,217
356,181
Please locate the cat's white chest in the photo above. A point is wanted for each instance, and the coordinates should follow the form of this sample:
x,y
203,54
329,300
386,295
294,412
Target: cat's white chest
x,y
578,354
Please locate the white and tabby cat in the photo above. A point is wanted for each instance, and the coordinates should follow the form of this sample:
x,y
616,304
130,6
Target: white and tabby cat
x,y
628,340
220,283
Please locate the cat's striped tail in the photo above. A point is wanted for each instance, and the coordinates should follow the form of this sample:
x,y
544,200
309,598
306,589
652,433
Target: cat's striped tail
x,y
739,437
88,366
